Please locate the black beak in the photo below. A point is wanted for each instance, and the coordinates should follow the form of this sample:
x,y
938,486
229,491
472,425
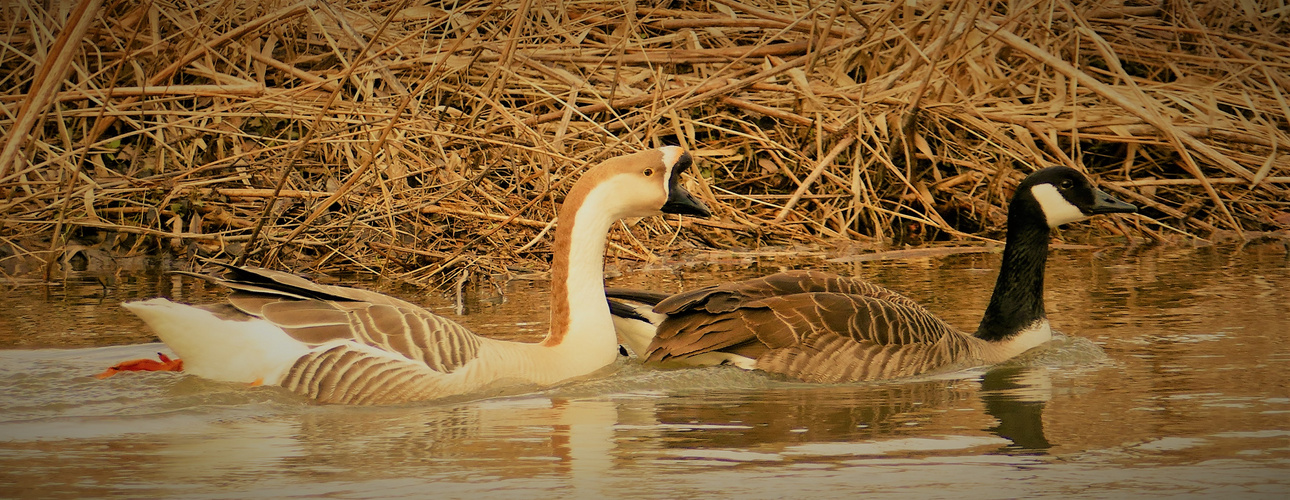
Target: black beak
x,y
1106,204
680,201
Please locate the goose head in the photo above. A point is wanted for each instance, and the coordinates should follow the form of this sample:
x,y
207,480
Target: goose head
x,y
647,183
1044,200
1062,195
637,185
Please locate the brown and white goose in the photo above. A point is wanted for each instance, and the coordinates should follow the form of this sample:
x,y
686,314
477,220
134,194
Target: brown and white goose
x,y
345,345
820,327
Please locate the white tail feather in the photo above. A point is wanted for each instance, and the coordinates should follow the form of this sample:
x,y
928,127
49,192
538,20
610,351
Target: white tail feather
x,y
637,334
231,350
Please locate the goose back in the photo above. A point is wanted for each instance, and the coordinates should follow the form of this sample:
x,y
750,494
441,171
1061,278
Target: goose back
x,y
316,314
808,325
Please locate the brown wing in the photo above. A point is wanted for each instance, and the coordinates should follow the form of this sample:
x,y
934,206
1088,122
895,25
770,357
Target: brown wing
x,y
344,374
732,296
703,310
316,314
818,336
270,282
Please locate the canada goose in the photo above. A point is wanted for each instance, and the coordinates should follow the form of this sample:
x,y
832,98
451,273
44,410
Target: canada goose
x,y
344,345
819,327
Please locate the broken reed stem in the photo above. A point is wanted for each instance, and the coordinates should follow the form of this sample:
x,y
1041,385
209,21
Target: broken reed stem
x,y
433,140
1181,139
810,179
48,80
353,178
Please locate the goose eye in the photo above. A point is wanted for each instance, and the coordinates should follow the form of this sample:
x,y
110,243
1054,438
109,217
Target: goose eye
x,y
648,172
1067,184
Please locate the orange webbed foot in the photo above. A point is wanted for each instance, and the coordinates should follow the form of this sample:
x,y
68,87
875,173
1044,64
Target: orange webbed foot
x,y
144,365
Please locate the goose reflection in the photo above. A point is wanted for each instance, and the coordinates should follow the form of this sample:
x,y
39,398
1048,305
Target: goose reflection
x,y
512,438
1015,396
996,411
580,440
776,418
583,440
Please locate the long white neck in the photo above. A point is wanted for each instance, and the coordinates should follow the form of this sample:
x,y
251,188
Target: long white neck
x,y
580,319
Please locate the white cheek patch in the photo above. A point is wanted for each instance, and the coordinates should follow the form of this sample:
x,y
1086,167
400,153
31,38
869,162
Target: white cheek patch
x,y
1057,210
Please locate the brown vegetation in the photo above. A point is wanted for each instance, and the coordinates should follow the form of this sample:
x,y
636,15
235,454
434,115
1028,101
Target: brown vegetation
x,y
418,139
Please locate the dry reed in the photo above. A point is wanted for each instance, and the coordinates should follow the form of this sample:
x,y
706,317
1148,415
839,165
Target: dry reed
x,y
422,140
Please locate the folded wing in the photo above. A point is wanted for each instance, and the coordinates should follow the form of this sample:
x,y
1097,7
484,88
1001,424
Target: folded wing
x,y
812,326
368,347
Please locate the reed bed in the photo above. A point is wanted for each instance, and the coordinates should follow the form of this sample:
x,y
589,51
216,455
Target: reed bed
x,y
428,141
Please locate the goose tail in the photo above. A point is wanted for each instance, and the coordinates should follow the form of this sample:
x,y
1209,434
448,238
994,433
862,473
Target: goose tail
x,y
636,322
221,343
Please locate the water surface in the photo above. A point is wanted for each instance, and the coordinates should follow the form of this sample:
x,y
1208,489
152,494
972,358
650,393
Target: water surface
x,y
1170,381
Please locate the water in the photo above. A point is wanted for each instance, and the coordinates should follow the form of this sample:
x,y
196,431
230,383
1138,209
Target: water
x,y
1171,382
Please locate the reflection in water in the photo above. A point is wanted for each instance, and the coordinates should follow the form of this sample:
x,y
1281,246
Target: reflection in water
x,y
810,414
1015,395
1171,382
178,430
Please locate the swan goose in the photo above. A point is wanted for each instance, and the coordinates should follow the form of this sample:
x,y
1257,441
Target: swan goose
x,y
819,327
345,345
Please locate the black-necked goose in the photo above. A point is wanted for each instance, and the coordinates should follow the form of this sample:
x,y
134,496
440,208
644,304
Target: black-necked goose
x,y
820,327
345,345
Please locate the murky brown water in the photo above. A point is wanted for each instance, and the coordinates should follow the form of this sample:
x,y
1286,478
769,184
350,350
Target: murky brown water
x,y
1188,396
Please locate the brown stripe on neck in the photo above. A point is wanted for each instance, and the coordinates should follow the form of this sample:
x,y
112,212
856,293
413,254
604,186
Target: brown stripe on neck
x,y
560,312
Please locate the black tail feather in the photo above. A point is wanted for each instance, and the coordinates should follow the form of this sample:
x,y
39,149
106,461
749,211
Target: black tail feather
x,y
623,310
270,282
642,296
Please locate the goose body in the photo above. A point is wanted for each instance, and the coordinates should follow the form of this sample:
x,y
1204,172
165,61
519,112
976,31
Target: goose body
x,y
345,345
820,327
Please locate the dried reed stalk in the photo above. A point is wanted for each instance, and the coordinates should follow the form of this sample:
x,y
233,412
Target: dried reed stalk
x,y
428,140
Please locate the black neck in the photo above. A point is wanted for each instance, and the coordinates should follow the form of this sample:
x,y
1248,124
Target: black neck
x,y
1018,299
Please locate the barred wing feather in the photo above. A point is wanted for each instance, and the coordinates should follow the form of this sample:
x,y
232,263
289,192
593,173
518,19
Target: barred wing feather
x,y
368,348
440,344
731,296
817,336
348,373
